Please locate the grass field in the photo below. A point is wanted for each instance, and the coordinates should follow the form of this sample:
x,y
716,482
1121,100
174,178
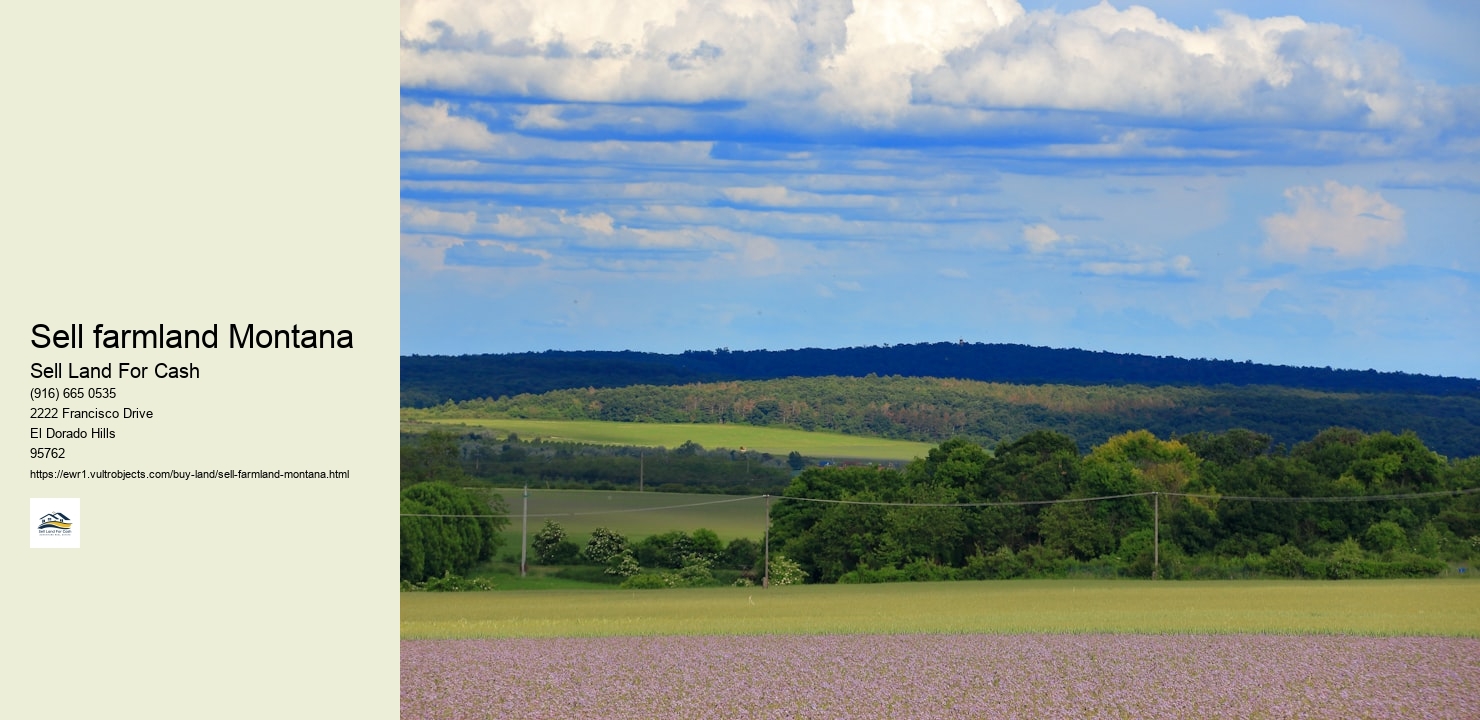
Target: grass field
x,y
776,441
636,515
1365,607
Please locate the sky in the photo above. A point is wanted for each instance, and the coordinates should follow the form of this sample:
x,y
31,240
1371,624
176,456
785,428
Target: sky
x,y
1295,183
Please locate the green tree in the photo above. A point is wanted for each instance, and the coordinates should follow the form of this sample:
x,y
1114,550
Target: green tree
x,y
447,529
1384,536
433,457
604,545
1074,530
705,543
551,546
742,554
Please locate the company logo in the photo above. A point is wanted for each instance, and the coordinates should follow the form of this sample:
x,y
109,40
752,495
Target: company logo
x,y
55,521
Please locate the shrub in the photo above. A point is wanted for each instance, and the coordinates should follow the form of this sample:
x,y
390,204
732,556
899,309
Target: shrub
x,y
622,565
1286,561
1384,536
785,571
587,573
551,546
1346,561
865,576
450,583
644,581
694,573
604,545
999,565
1042,561
922,569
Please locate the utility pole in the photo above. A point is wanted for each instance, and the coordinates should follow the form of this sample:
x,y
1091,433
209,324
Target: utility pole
x,y
766,573
1155,535
524,535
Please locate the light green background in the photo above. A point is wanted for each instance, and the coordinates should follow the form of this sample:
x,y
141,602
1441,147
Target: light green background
x,y
189,164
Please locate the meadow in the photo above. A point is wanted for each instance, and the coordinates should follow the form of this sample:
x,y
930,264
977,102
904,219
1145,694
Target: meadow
x,y
776,441
635,515
1362,607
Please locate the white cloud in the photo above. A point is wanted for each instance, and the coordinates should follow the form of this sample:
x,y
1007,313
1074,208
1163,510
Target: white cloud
x,y
889,42
594,50
911,67
1042,238
1334,223
431,127
425,218
596,222
1178,267
541,117
774,195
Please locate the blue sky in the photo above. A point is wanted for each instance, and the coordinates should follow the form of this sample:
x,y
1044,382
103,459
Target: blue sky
x,y
1292,183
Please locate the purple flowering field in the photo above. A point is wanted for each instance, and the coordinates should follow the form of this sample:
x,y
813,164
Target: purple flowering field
x,y
944,676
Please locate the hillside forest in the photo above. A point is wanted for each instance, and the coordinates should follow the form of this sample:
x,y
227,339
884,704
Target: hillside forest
x,y
935,409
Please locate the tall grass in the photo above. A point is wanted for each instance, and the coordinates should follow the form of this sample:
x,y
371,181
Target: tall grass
x,y
1372,607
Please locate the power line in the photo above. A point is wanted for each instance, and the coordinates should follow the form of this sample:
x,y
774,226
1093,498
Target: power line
x,y
597,512
1004,503
1331,499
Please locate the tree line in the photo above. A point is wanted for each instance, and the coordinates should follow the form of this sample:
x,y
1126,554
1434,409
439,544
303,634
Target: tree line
x,y
1204,529
889,523
475,456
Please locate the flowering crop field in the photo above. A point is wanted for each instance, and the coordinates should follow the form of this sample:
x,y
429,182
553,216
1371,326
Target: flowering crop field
x,y
1004,649
943,676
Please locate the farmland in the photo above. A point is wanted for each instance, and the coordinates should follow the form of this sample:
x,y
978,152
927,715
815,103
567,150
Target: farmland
x,y
633,514
775,441
932,676
1368,607
1005,649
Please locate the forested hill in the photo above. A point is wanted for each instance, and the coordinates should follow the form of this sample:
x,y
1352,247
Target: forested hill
x,y
433,379
933,409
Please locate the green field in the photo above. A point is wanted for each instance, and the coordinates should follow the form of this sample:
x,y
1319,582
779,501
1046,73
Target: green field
x,y
776,441
1368,607
636,515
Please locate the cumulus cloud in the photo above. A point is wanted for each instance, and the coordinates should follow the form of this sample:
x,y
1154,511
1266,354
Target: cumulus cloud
x,y
909,67
1334,223
594,50
889,42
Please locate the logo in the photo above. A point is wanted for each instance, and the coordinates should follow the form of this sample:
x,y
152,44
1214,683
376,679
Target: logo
x,y
56,522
